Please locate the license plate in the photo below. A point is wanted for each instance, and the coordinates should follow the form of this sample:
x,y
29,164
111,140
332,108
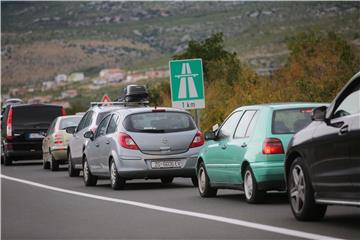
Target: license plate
x,y
165,164
35,136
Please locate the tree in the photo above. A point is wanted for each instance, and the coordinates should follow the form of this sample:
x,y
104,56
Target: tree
x,y
318,67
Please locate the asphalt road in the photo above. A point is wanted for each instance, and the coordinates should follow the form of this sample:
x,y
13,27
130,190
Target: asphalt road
x,y
149,210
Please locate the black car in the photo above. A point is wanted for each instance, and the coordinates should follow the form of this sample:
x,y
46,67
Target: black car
x,y
322,165
22,130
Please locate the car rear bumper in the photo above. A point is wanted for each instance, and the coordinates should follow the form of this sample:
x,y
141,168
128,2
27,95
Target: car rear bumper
x,y
269,175
24,155
142,168
59,153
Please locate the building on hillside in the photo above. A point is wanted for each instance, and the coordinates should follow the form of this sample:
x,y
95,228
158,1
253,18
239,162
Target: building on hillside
x,y
99,82
113,74
61,78
77,77
71,93
136,76
48,85
157,73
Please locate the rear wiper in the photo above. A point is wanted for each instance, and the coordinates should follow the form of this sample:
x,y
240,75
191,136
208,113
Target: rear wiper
x,y
153,130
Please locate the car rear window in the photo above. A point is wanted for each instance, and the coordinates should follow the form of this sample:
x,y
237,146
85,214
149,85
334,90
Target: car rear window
x,y
159,122
30,116
69,122
101,117
289,121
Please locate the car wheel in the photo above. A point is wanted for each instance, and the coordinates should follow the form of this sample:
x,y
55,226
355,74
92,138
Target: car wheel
x,y
204,187
89,179
2,155
195,181
46,164
71,170
301,194
252,193
7,160
167,180
54,165
117,182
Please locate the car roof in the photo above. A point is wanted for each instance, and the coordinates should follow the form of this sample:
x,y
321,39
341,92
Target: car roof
x,y
69,116
283,105
104,108
34,105
128,111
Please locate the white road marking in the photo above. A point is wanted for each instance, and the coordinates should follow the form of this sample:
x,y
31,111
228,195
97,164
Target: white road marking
x,y
238,222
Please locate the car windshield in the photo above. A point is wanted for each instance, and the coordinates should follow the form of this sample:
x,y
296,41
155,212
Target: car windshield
x,y
159,122
69,122
289,121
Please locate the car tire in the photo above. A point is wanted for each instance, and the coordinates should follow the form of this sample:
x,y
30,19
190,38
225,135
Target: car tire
x,y
71,169
54,165
167,180
46,164
301,194
195,181
204,187
251,189
117,182
7,160
89,179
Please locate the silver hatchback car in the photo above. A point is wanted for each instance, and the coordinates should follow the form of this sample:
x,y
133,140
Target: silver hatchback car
x,y
142,143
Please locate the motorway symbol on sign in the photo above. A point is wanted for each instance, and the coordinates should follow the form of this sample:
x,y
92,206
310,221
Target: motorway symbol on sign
x,y
187,84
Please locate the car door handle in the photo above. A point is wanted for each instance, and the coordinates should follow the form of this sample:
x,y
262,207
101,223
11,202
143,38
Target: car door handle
x,y
97,145
223,146
244,145
344,130
107,142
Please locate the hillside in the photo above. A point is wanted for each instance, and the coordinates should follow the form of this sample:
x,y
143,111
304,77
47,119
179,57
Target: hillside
x,y
41,39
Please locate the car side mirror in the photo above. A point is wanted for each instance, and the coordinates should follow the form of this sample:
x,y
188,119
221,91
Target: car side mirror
x,y
90,135
319,114
70,130
215,127
210,136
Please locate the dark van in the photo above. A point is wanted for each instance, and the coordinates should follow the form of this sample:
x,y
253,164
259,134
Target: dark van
x,y
23,128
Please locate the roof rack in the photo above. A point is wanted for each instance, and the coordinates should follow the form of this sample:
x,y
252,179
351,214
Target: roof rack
x,y
120,103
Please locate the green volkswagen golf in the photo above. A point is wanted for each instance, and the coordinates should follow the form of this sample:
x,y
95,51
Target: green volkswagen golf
x,y
247,152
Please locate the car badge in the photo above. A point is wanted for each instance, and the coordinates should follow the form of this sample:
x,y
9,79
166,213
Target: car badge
x,y
164,140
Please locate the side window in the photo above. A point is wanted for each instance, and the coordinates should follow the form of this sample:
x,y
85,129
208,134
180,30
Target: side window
x,y
351,103
89,119
51,128
243,126
112,124
227,129
101,130
82,122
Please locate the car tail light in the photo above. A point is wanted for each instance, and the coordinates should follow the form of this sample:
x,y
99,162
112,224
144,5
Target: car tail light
x,y
58,138
198,140
127,142
63,111
272,146
9,135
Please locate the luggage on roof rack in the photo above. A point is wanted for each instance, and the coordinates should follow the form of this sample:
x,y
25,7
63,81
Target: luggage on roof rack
x,y
134,93
131,96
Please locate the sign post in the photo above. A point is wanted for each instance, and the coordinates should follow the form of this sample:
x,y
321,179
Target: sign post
x,y
187,85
